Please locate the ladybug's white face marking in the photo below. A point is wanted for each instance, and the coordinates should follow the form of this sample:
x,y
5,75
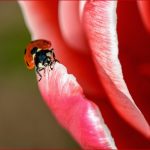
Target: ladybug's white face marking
x,y
40,65
48,54
39,49
33,56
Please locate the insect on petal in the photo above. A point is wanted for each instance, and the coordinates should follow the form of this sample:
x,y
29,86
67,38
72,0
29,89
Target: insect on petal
x,y
80,116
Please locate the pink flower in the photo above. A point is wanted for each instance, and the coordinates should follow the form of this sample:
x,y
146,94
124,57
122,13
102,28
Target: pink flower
x,y
85,40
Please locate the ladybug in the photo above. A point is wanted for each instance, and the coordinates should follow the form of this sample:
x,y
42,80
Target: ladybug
x,y
39,54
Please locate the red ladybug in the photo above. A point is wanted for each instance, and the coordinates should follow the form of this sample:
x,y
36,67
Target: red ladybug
x,y
39,54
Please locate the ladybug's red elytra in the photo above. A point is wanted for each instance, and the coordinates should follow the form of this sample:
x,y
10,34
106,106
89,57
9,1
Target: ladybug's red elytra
x,y
39,54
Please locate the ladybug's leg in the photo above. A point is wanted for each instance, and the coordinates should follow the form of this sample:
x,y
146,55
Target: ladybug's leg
x,y
42,69
38,72
52,51
56,60
52,63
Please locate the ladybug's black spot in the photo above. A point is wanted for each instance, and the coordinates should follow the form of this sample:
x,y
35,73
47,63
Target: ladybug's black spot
x,y
34,50
25,51
27,63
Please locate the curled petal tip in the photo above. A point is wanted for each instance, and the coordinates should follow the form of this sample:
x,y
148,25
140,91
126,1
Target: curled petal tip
x,y
78,115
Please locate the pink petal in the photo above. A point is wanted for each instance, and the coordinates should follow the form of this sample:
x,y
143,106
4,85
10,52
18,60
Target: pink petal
x,y
41,18
70,25
78,115
144,7
100,26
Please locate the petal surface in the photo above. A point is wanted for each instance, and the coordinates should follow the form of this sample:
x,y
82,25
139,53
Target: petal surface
x,y
70,25
41,18
74,112
144,7
100,25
